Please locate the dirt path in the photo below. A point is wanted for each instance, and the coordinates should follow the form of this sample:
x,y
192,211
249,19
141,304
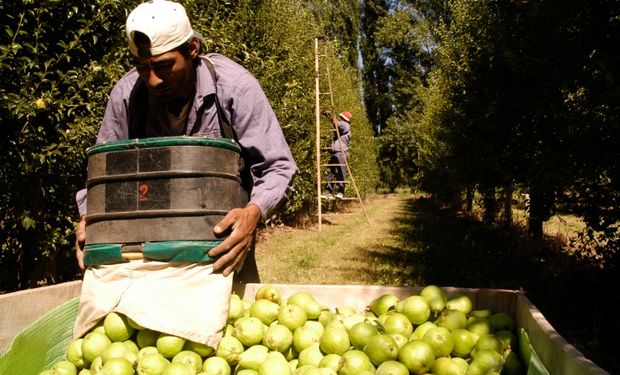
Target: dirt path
x,y
346,251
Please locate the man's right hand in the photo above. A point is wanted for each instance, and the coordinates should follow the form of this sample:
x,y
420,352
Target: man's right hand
x,y
80,240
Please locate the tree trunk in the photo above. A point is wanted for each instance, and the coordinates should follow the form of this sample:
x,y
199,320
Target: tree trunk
x,y
469,199
508,204
490,205
537,213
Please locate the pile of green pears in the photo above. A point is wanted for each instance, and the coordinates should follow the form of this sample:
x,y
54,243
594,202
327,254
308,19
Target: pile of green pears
x,y
427,333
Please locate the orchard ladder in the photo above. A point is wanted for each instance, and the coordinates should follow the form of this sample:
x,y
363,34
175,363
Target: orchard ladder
x,y
319,164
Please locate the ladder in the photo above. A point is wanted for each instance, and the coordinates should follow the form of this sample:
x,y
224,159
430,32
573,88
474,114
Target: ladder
x,y
319,164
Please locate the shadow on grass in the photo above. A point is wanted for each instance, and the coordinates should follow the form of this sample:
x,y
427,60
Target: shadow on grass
x,y
443,248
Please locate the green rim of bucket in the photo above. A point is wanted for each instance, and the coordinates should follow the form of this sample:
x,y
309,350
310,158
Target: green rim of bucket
x,y
163,251
103,253
129,144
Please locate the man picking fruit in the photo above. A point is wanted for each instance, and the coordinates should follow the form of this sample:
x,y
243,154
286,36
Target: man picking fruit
x,y
173,90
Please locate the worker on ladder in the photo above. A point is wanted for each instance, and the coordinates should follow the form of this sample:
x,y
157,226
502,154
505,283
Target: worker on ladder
x,y
338,158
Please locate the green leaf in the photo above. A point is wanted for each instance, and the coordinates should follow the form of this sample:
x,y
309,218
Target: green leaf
x,y
28,223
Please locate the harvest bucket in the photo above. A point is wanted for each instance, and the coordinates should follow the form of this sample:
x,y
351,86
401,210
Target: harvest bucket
x,y
160,190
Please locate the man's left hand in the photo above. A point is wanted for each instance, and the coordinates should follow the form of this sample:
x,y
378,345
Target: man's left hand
x,y
242,223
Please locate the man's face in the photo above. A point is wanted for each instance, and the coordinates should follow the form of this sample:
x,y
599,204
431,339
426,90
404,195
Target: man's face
x,y
170,76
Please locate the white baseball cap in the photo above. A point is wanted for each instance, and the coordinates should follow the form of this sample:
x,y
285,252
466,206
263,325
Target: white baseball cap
x,y
164,22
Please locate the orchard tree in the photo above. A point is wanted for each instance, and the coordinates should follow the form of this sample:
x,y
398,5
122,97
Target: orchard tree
x,y
57,60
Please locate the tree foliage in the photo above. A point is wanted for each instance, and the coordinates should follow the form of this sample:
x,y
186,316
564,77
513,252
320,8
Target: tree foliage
x,y
525,93
406,39
56,68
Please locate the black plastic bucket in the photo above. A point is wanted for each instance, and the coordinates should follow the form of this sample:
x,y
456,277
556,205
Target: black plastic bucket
x,y
161,189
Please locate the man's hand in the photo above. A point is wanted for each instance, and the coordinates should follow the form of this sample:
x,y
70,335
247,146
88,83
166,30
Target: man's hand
x,y
242,223
80,240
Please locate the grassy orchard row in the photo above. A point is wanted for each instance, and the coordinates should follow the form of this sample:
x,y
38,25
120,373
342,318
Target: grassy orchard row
x,y
420,334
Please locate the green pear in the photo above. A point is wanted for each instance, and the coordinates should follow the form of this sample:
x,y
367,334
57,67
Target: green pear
x,y
381,348
216,366
325,316
229,348
191,359
392,368
417,356
464,342
330,361
64,367
452,319
235,308
436,298
307,302
169,345
508,339
416,309
419,331
74,353
441,340
265,310
275,363
320,328
512,364
460,302
178,369
292,316
383,304
352,319
312,355
118,350
479,326
93,345
96,365
117,366
202,350
345,310
335,339
268,292
117,327
253,356
355,362
400,339
488,342
446,366
360,333
278,338
146,337
152,364
501,322
398,323
249,331
485,313
146,350
488,360
304,337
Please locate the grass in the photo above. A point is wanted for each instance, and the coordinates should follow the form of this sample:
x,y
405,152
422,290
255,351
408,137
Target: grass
x,y
412,242
344,251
